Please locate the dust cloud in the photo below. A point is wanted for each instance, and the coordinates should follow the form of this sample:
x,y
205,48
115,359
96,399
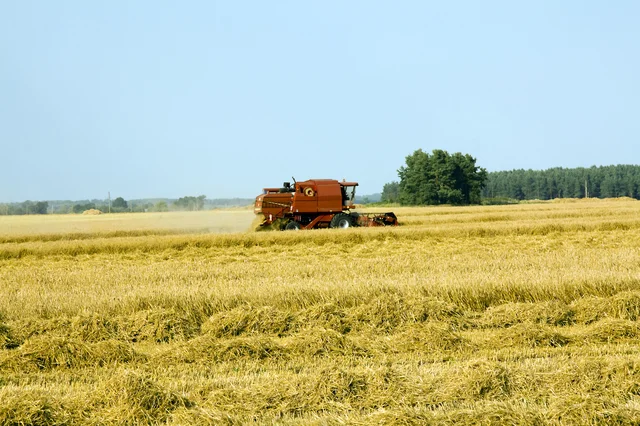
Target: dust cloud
x,y
214,221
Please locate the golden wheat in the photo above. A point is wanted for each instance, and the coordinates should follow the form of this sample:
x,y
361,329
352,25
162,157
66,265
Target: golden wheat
x,y
522,314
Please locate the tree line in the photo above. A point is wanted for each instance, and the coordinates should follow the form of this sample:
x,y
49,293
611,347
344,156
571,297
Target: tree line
x,y
119,205
443,178
598,182
26,207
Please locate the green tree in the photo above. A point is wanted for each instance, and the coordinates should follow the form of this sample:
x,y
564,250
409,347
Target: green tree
x,y
190,203
417,180
28,207
390,192
468,178
16,209
440,178
79,208
161,206
119,204
41,207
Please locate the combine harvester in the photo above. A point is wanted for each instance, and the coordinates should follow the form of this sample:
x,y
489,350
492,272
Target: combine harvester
x,y
315,203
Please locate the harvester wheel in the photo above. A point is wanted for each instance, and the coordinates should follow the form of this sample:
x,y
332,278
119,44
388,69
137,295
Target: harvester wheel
x,y
341,220
292,226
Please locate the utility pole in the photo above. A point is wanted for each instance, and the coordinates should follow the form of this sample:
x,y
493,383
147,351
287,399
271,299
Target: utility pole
x,y
586,190
109,194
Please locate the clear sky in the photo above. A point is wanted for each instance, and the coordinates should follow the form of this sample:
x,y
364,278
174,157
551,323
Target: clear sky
x,y
167,99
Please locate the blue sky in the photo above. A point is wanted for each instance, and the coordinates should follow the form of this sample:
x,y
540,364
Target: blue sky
x,y
166,99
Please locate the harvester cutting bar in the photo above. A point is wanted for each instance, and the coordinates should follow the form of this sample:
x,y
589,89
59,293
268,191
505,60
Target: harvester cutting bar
x,y
377,219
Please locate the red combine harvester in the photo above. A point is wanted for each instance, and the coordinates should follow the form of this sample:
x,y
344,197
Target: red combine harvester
x,y
315,203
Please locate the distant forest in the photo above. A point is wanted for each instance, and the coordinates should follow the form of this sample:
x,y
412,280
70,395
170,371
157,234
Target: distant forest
x,y
119,205
598,182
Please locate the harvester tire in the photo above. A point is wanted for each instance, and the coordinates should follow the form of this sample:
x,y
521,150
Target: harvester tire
x,y
292,226
341,220
355,218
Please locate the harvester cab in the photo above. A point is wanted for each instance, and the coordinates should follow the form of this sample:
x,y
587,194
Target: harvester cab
x,y
348,193
286,187
315,203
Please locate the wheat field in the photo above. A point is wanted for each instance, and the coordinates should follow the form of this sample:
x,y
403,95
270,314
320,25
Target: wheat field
x,y
519,314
